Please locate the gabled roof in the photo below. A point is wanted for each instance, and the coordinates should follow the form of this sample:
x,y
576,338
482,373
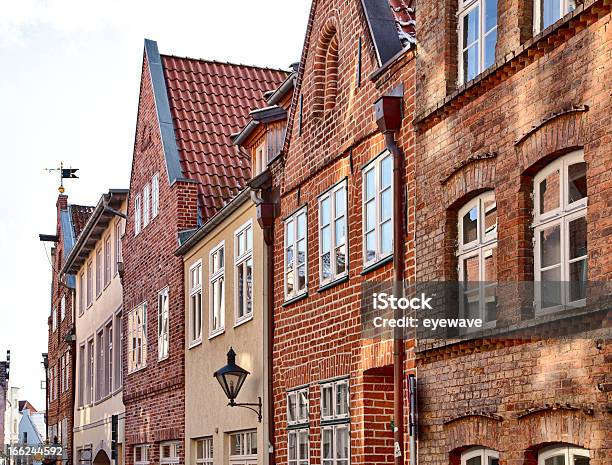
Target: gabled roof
x,y
200,104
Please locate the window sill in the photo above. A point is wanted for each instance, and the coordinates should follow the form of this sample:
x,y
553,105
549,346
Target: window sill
x,y
333,283
194,344
379,264
216,333
295,299
137,370
243,320
163,359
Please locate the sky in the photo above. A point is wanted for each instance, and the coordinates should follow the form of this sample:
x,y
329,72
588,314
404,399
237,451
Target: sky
x,y
69,81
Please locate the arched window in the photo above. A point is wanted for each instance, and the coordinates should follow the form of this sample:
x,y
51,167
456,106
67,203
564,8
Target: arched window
x,y
560,233
476,253
480,456
563,455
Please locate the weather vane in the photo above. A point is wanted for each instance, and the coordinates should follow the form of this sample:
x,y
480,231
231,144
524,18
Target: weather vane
x,y
65,173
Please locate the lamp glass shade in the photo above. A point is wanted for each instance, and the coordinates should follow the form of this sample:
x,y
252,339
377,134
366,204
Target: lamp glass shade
x,y
231,377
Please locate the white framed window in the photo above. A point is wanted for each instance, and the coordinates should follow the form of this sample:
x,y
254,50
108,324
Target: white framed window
x,y
560,233
261,159
195,303
155,195
298,447
118,332
141,454
107,261
336,444
296,266
137,214
100,359
118,251
335,426
82,293
243,265
547,12
477,21
243,448
477,259
90,372
163,324
54,319
479,456
297,407
82,378
109,358
378,209
98,272
62,373
89,283
146,205
564,455
204,451
137,338
66,375
217,289
332,234
169,453
63,307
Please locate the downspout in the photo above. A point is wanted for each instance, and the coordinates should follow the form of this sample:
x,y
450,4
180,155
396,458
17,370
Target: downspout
x,y
267,210
388,111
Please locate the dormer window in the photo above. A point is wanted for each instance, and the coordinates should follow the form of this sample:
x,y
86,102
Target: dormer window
x,y
261,159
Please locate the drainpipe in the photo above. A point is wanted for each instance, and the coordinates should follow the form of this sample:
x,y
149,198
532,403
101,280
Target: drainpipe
x,y
388,113
268,208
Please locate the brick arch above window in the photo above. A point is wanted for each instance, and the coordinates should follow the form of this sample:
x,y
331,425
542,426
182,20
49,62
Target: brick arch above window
x,y
546,427
468,181
325,74
471,431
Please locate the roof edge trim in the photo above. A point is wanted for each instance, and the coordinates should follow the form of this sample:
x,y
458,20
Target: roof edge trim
x,y
162,107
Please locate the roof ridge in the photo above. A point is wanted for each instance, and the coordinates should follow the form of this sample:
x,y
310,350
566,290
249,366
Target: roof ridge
x,y
229,63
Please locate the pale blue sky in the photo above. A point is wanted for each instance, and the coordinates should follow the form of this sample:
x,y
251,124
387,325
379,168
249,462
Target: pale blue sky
x,y
69,77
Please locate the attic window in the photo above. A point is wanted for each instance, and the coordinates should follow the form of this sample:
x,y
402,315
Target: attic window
x,y
326,70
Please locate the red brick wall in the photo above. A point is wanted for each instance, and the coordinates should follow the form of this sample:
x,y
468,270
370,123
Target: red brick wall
x,y
154,397
318,337
570,67
63,406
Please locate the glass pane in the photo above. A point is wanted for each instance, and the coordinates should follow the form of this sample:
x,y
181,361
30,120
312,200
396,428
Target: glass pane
x,y
555,460
580,460
326,401
550,11
490,14
326,239
386,238
240,285
301,277
249,239
326,265
470,226
578,277
386,171
240,241
303,445
473,461
471,272
370,184
292,447
290,282
340,230
303,405
370,246
289,256
290,233
340,202
249,285
301,251
549,192
490,216
551,287
301,226
578,238
342,443
325,212
341,259
370,215
291,407
470,63
489,52
470,27
492,461
550,246
236,444
341,399
471,305
386,205
577,182
327,444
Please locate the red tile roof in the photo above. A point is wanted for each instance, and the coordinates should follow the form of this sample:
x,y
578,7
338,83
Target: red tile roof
x,y
210,101
403,12
80,214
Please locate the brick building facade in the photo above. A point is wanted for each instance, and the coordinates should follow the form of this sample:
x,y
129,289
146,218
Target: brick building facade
x,y
512,183
184,169
61,349
334,390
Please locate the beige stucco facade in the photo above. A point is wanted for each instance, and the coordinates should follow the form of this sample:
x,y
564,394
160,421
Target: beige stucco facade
x,y
207,413
98,326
